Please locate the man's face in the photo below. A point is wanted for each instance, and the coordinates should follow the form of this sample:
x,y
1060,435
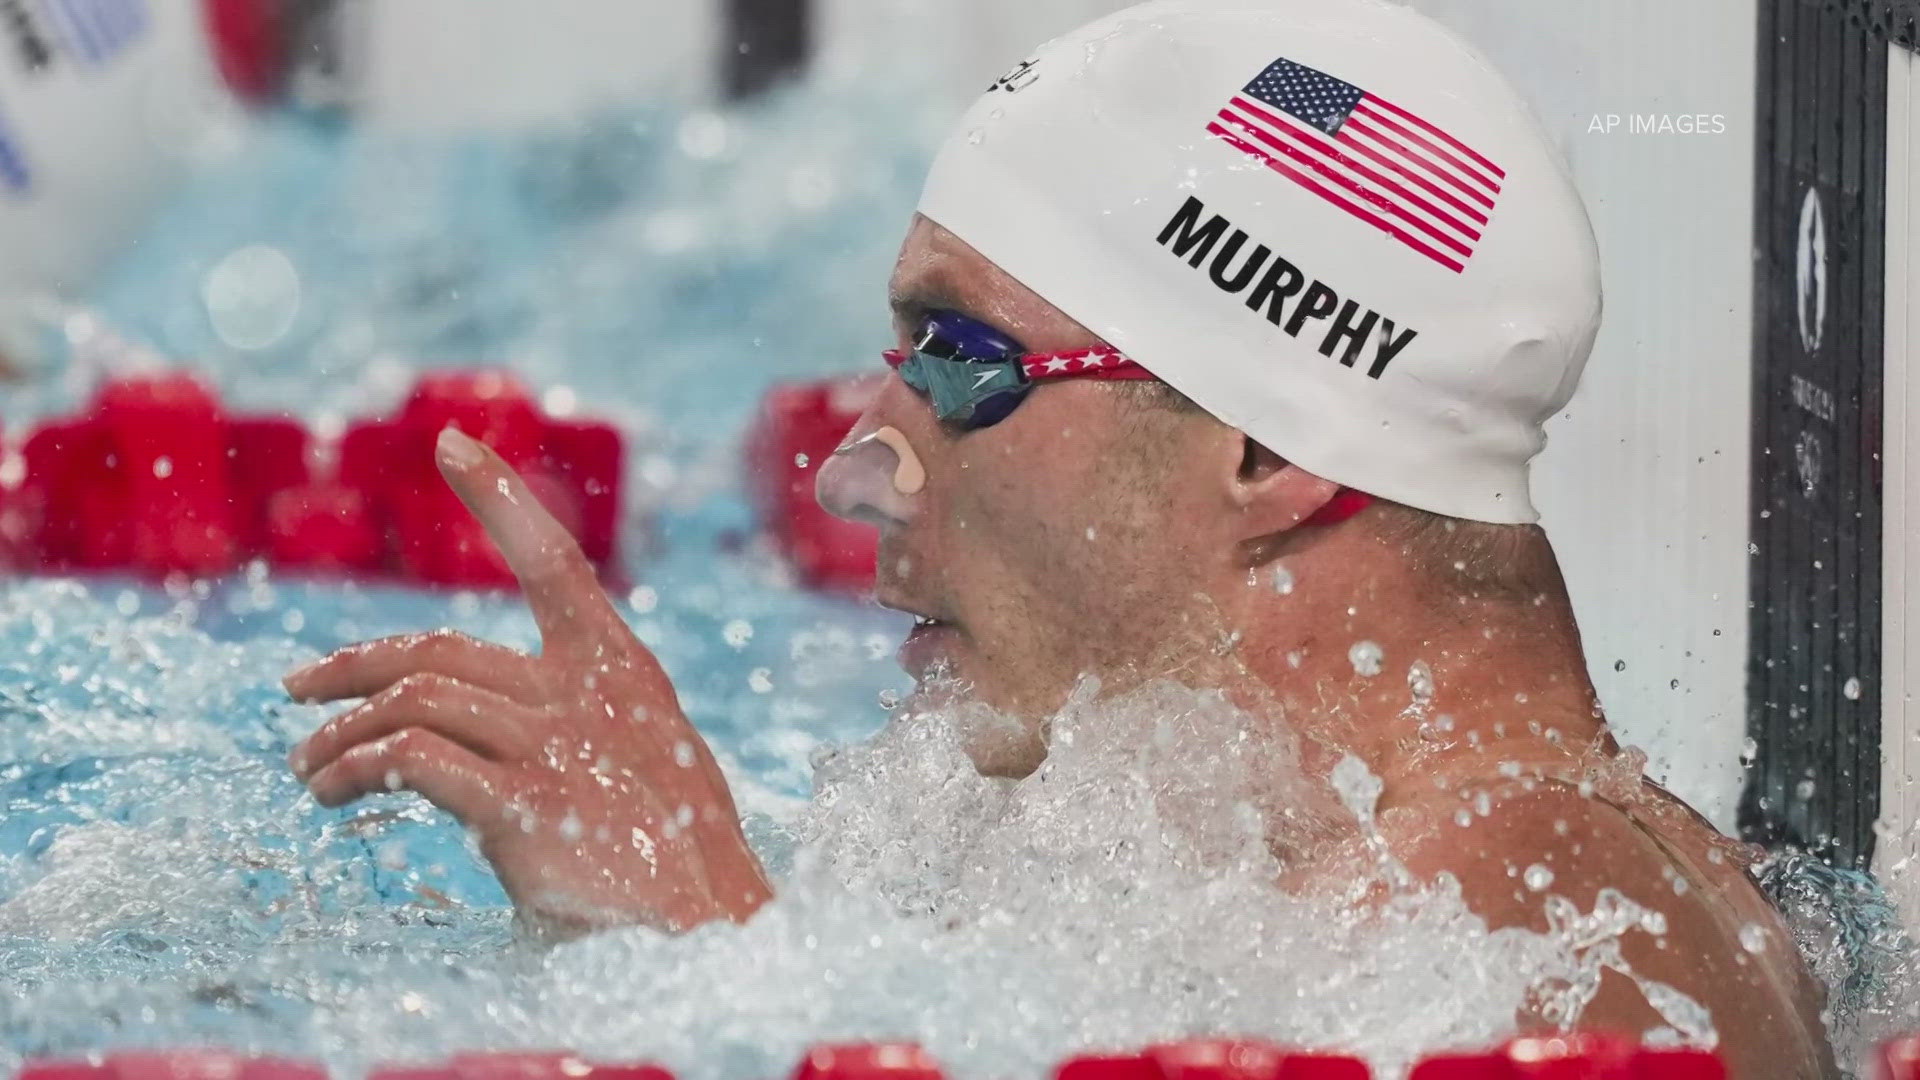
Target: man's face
x,y
1069,539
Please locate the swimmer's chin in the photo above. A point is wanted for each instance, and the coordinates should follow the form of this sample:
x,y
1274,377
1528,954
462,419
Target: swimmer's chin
x,y
1000,745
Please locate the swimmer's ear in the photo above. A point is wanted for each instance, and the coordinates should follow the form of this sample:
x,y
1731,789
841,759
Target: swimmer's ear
x,y
1273,495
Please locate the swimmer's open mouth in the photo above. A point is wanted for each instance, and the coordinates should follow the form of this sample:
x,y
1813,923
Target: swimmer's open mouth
x,y
929,645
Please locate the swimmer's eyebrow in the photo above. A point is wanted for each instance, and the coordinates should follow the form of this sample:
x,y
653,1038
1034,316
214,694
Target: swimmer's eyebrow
x,y
934,288
920,298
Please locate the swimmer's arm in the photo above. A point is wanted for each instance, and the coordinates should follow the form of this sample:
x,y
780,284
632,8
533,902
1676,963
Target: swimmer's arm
x,y
593,797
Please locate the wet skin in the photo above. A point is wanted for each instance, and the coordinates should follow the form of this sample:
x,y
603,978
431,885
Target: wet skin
x,y
1086,534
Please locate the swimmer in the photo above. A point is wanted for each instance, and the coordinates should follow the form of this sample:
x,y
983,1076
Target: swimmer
x,y
1208,364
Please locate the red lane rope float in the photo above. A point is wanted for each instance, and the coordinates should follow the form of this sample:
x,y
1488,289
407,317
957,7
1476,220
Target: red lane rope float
x,y
1215,1059
155,477
1898,1059
1564,1057
798,428
1579,1056
867,1061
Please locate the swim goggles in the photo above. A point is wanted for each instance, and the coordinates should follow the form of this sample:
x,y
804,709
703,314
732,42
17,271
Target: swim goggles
x,y
975,376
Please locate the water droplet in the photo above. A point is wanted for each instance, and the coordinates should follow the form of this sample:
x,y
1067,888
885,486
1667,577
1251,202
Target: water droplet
x,y
1283,581
252,297
800,460
1420,682
1749,750
643,599
760,681
737,633
1753,938
1619,665
1366,657
976,137
1537,877
1852,689
1803,790
163,466
570,828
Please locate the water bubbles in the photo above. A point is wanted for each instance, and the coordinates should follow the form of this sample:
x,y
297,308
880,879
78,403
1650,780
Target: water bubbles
x,y
737,633
1537,877
976,136
1419,683
1366,658
643,599
1804,790
684,754
1852,689
760,680
560,401
1753,938
252,297
1357,787
1283,582
1749,750
571,829
800,461
162,467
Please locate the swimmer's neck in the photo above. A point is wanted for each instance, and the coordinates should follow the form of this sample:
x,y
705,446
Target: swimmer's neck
x,y
1507,674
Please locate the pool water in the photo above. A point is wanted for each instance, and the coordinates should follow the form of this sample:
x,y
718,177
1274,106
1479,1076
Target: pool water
x,y
164,881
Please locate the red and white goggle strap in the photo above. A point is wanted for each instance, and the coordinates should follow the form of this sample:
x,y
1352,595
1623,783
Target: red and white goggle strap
x,y
1112,364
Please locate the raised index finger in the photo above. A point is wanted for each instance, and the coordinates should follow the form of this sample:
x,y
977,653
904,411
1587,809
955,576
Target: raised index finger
x,y
567,601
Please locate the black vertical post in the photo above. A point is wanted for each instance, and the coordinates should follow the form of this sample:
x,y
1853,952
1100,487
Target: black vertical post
x,y
764,43
1813,701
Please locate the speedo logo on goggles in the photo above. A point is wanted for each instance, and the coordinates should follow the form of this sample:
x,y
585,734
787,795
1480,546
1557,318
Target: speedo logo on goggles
x,y
975,376
1284,294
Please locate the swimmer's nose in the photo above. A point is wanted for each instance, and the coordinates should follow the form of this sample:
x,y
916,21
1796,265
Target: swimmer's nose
x,y
863,481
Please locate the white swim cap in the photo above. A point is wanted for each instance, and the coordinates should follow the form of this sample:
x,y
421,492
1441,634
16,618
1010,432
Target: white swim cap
x,y
1328,222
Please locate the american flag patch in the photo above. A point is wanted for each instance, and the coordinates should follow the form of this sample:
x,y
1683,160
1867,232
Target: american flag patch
x,y
1381,163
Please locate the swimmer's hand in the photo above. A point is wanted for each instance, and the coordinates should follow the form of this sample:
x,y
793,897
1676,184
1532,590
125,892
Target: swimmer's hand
x,y
595,800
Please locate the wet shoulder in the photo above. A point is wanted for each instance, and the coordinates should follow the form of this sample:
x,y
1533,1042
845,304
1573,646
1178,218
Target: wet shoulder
x,y
1556,854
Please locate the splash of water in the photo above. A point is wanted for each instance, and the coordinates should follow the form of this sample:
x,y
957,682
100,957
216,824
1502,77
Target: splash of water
x,y
1125,891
